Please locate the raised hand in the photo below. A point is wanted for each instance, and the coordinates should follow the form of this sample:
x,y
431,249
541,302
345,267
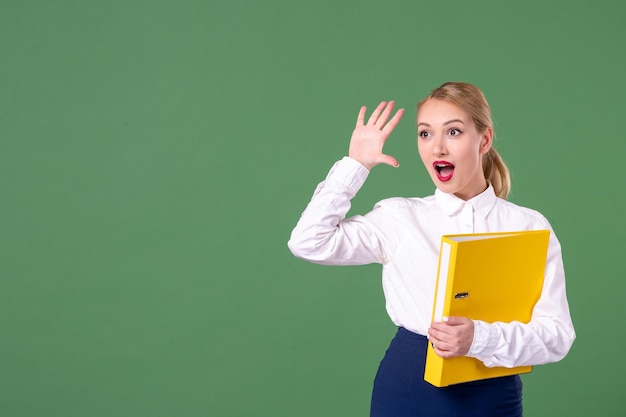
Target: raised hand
x,y
366,144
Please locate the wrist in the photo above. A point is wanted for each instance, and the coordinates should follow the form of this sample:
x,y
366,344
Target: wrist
x,y
362,163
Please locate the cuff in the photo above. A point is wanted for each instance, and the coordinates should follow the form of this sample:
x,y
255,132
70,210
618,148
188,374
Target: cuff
x,y
485,341
349,173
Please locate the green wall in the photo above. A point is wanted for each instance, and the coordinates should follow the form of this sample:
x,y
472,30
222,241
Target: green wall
x,y
155,155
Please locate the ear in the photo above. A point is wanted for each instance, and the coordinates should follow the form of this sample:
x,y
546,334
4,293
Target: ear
x,y
486,140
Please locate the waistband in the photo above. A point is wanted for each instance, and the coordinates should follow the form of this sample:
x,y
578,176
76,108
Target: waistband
x,y
407,334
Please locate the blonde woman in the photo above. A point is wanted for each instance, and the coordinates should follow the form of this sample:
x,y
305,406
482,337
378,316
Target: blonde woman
x,y
455,143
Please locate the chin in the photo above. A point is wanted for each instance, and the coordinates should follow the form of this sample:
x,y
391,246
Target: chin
x,y
445,186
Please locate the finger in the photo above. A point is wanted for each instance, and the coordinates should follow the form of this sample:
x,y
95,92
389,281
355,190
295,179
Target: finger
x,y
361,117
435,334
440,348
445,346
454,320
385,115
443,331
389,160
374,117
443,353
458,321
389,127
439,328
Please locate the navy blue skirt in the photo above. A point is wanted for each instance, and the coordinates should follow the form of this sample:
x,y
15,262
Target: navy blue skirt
x,y
400,389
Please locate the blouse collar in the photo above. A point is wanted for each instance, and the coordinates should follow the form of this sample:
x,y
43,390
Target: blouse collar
x,y
482,203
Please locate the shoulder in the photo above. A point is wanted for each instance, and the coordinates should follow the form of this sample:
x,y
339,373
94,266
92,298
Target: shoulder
x,y
404,208
522,214
403,203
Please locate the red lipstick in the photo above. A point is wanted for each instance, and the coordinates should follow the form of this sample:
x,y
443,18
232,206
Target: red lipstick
x,y
444,170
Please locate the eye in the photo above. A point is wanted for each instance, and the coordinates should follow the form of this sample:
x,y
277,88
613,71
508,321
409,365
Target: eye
x,y
424,134
454,132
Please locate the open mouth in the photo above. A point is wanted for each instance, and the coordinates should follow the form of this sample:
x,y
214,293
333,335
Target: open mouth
x,y
444,170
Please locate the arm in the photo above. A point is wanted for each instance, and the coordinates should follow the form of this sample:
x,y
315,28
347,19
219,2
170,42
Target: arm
x,y
546,338
322,234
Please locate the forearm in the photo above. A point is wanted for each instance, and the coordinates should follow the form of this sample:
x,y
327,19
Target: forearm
x,y
543,340
549,334
322,235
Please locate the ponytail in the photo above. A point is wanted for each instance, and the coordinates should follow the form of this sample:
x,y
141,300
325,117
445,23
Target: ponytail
x,y
497,173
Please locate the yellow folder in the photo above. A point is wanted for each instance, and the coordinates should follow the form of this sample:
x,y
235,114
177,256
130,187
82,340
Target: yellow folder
x,y
489,277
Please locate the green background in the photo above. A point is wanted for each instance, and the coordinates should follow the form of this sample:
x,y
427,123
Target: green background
x,y
155,155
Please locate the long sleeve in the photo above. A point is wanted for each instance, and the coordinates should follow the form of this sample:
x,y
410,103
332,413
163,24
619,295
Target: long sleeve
x,y
323,235
404,235
549,335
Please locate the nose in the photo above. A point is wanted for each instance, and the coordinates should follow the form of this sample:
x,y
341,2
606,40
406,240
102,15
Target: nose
x,y
439,146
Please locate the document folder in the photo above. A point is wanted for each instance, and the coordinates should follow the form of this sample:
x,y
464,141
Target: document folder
x,y
493,277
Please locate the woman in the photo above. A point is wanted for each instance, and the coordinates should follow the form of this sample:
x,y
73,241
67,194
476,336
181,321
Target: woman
x,y
455,143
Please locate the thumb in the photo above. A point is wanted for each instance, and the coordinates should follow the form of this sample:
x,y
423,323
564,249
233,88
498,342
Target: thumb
x,y
454,320
389,160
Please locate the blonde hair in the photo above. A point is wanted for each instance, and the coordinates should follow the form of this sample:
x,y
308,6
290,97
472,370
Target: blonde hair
x,y
470,99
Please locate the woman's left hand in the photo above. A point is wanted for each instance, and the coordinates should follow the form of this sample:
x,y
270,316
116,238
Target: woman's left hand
x,y
452,337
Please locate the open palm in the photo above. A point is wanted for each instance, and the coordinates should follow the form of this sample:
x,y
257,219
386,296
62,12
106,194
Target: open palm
x,y
368,139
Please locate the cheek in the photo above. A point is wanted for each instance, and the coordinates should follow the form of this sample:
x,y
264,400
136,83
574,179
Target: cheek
x,y
424,154
473,152
422,148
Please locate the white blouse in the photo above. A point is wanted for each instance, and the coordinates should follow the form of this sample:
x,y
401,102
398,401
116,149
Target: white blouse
x,y
404,235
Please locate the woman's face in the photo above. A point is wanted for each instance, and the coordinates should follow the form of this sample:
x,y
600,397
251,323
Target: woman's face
x,y
451,148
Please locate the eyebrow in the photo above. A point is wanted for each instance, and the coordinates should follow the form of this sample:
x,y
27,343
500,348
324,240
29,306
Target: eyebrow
x,y
446,123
